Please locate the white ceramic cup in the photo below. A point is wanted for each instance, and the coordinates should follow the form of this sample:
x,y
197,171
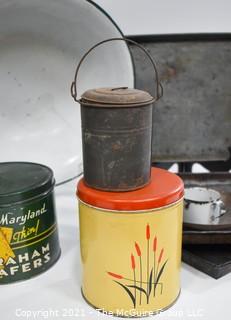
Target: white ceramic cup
x,y
202,206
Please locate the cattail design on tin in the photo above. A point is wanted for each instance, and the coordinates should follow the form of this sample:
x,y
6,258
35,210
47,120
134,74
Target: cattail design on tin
x,y
142,282
154,247
138,251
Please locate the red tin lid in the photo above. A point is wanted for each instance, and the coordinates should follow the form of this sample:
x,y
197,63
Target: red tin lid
x,y
165,188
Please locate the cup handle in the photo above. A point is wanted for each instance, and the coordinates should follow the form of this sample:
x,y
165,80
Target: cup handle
x,y
218,209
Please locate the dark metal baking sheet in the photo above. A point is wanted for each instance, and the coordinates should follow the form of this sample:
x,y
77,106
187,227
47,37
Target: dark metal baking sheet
x,y
214,260
192,122
218,181
206,237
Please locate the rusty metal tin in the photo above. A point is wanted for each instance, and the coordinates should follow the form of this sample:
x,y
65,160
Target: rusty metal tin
x,y
116,137
116,133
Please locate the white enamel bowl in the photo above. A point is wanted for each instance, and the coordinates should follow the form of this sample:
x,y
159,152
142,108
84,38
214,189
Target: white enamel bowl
x,y
41,42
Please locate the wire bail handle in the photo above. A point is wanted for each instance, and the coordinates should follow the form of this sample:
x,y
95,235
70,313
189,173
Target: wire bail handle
x,y
159,88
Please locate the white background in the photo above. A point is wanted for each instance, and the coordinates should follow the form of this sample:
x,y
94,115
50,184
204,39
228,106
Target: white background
x,y
169,16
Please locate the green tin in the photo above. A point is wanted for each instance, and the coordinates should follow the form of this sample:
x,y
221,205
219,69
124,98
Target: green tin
x,y
29,241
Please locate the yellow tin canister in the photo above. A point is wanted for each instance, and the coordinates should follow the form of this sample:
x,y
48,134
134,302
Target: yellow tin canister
x,y
131,246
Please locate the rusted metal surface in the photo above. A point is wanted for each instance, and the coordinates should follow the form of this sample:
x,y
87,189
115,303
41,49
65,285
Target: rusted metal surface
x,y
116,131
220,182
116,97
193,120
117,147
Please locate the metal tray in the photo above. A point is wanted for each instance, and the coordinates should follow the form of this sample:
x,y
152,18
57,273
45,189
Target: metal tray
x,y
214,260
192,122
206,236
218,181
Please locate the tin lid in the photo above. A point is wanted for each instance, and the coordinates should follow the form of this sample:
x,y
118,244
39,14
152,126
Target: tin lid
x,y
117,97
165,188
21,181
